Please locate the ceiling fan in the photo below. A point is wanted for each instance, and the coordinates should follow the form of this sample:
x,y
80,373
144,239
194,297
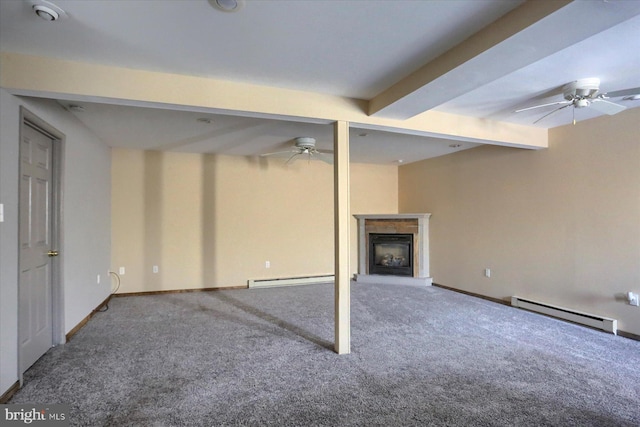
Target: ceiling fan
x,y
305,146
586,93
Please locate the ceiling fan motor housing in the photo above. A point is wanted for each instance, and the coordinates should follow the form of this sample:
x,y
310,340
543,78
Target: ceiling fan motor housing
x,y
305,142
582,89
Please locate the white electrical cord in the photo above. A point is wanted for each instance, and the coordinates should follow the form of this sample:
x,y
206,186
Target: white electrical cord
x,y
106,306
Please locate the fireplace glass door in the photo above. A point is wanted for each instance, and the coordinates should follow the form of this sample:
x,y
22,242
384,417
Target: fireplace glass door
x,y
391,254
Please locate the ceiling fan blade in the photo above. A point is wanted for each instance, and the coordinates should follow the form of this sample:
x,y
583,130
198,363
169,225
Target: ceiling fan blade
x,y
606,107
327,158
279,152
554,111
624,92
325,151
543,105
292,157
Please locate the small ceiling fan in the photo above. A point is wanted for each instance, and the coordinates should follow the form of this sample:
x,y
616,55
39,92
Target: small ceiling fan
x,y
586,93
305,146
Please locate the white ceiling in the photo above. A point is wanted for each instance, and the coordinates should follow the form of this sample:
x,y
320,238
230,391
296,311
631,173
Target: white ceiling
x,y
347,48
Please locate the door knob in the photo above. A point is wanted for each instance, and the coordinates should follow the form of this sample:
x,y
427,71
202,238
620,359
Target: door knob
x,y
53,253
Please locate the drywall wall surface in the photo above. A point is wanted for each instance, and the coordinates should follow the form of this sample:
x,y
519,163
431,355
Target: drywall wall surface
x,y
282,214
215,221
157,220
374,190
86,222
559,225
9,146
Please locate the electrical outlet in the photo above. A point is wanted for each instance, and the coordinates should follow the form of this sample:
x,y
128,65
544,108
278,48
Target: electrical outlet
x,y
487,272
267,264
634,299
98,279
121,271
155,269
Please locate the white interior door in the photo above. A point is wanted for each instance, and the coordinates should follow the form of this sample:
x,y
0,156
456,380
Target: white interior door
x,y
35,282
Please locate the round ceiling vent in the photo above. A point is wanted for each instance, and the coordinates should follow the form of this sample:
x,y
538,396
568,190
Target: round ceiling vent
x,y
46,10
227,5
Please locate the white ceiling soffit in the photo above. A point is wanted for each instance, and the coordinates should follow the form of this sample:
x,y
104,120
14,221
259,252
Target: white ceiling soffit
x,y
509,44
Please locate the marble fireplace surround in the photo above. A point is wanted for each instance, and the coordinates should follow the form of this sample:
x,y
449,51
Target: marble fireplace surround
x,y
416,224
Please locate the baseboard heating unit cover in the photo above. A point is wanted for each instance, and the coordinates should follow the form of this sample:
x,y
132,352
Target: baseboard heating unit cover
x,y
289,281
592,320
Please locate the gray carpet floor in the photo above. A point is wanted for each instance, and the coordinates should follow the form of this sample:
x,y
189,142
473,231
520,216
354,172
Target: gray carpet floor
x,y
420,357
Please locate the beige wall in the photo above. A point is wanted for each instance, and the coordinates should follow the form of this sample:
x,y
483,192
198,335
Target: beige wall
x,y
374,190
560,225
210,221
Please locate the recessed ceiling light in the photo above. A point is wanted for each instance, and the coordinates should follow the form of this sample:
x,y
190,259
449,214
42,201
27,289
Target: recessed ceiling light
x,y
76,108
205,120
399,161
363,134
455,145
227,5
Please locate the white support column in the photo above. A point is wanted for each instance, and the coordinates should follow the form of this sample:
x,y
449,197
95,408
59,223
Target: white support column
x,y
341,229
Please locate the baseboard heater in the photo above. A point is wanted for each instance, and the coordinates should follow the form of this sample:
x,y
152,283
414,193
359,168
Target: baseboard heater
x,y
289,281
592,320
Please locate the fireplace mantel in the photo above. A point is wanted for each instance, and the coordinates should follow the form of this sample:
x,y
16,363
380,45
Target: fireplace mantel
x,y
416,224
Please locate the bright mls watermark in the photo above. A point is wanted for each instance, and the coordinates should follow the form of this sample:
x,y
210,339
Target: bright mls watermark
x,y
34,415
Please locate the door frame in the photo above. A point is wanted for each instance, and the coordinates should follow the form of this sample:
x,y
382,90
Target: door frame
x,y
56,218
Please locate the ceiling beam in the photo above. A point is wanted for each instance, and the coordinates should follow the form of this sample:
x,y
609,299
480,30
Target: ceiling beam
x,y
527,34
78,81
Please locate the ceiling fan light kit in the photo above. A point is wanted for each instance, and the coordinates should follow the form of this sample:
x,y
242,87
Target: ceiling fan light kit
x,y
581,103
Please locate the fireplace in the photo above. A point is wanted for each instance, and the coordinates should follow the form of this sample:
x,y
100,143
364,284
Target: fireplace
x,y
391,254
393,249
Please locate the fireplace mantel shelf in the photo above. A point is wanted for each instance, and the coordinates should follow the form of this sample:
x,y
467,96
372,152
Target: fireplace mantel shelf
x,y
409,223
394,216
